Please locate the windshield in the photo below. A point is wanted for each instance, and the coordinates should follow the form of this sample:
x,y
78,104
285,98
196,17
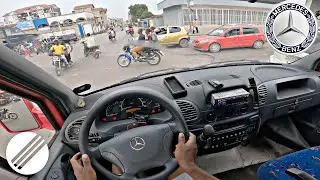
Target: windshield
x,y
216,32
97,47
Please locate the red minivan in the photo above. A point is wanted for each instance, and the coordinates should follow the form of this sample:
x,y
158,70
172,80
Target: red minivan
x,y
231,36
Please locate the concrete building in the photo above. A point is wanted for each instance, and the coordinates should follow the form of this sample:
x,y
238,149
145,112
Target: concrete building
x,y
155,21
100,14
213,12
83,8
71,19
31,13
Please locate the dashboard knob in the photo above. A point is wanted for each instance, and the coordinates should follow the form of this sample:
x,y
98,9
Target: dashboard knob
x,y
208,131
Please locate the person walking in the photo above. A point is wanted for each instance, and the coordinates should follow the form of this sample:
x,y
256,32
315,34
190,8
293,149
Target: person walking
x,y
195,26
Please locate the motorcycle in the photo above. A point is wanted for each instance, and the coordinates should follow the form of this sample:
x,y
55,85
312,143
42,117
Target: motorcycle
x,y
150,55
58,63
131,32
113,39
5,114
93,51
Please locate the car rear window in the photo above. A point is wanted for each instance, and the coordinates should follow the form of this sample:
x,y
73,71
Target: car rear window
x,y
250,30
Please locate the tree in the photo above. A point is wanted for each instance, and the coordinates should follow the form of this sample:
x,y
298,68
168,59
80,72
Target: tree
x,y
139,11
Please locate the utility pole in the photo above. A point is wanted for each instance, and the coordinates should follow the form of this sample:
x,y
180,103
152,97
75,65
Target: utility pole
x,y
190,4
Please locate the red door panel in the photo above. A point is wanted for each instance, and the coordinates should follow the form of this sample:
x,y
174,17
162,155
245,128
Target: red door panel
x,y
230,38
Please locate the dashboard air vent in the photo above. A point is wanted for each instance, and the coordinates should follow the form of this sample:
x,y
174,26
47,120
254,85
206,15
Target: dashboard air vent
x,y
262,91
189,111
194,83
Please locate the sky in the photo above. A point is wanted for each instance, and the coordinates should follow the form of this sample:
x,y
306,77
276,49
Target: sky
x,y
116,8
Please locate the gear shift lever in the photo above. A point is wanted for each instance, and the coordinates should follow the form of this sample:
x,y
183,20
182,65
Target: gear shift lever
x,y
208,131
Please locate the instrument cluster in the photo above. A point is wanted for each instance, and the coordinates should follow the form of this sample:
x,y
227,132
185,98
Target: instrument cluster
x,y
126,108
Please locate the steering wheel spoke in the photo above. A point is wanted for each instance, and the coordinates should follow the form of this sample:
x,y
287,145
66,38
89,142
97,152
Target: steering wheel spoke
x,y
94,152
137,149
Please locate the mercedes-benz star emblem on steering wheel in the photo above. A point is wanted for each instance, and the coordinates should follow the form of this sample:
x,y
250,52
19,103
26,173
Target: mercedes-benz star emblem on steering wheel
x,y
137,143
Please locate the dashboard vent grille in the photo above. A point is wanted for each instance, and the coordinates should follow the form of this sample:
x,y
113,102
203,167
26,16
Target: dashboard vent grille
x,y
189,111
194,83
262,91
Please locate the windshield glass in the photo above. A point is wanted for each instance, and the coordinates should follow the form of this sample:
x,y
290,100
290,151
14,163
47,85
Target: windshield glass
x,y
103,43
216,32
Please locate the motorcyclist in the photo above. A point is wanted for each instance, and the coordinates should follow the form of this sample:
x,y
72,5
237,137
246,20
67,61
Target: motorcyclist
x,y
139,46
89,42
127,29
59,50
131,30
68,52
112,34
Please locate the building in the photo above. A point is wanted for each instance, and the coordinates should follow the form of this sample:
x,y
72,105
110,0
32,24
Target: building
x,y
31,13
116,21
83,8
100,14
70,19
155,21
213,12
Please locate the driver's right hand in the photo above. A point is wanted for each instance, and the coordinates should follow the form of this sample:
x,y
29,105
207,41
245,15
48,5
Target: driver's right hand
x,y
186,152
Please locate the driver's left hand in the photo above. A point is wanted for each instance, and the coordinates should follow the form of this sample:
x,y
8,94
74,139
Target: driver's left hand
x,y
82,168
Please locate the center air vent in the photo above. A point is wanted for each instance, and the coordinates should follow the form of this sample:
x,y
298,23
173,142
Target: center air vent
x,y
189,111
194,83
263,94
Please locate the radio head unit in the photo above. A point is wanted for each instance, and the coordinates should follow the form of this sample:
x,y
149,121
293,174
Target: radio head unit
x,y
229,97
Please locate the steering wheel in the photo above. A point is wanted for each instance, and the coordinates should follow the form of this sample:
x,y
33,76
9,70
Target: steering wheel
x,y
137,149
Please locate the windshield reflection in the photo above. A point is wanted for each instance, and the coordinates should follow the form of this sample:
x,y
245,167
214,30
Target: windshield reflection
x,y
217,32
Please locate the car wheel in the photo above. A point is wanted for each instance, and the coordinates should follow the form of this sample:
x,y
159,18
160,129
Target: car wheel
x,y
184,43
214,47
258,44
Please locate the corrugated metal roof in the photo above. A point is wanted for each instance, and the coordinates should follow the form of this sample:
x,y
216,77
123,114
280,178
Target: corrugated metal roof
x,y
168,3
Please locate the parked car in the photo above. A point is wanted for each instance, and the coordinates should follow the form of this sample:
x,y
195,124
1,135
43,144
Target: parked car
x,y
69,37
173,35
231,36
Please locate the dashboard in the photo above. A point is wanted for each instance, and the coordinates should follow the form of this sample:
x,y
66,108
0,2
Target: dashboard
x,y
127,108
235,100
